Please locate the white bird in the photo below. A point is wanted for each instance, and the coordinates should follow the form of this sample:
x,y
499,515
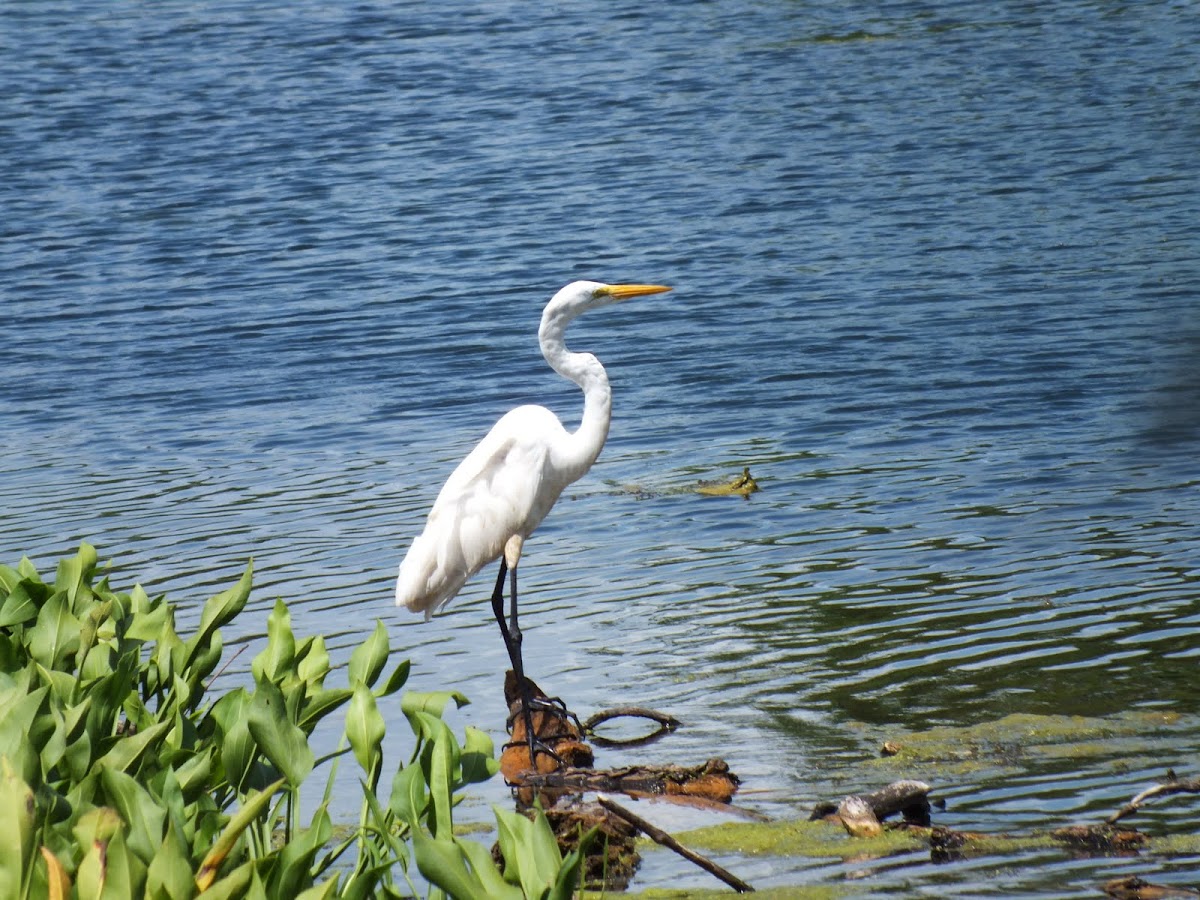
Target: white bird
x,y
498,495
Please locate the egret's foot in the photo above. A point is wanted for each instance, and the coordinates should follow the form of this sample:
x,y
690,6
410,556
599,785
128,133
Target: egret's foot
x,y
535,747
551,706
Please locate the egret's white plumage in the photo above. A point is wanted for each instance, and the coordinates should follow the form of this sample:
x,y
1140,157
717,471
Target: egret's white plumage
x,y
501,492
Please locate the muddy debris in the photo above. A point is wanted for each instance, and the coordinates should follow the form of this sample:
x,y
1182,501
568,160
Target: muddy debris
x,y
562,775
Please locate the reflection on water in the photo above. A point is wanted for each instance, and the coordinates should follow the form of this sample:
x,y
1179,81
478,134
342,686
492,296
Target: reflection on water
x,y
267,278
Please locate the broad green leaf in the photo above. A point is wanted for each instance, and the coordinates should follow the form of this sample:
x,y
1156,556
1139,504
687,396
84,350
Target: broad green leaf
x,y
365,730
17,833
9,578
292,870
443,864
571,869
477,759
146,619
484,867
322,891
56,632
22,603
237,746
126,752
222,608
75,574
530,851
110,871
90,630
312,662
369,658
169,875
251,810
440,775
320,704
433,702
409,797
17,727
142,814
395,681
276,659
280,740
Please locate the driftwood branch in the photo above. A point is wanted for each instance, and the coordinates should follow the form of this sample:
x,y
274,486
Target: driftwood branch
x,y
659,836
1173,786
666,724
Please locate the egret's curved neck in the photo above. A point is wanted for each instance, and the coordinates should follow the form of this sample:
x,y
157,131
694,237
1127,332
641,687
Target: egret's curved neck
x,y
581,448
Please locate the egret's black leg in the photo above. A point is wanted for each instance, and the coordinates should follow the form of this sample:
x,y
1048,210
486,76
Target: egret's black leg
x,y
512,643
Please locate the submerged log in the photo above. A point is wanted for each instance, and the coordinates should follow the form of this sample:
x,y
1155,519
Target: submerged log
x,y
1103,839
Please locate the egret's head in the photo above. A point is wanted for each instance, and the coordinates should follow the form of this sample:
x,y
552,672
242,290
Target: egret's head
x,y
580,296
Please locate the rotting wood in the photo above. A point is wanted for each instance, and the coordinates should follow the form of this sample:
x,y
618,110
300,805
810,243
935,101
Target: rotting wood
x,y
709,781
659,836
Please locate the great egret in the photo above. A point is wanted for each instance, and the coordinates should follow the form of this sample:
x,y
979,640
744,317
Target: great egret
x,y
500,493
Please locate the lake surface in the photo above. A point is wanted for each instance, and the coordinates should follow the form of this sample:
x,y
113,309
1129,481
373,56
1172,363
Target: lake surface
x,y
268,272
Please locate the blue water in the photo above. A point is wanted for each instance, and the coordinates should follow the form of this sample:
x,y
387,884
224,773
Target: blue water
x,y
268,272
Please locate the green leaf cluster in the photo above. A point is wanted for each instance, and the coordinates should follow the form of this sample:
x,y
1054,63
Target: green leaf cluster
x,y
122,776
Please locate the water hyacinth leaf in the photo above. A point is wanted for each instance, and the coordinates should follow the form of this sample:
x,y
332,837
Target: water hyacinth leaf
x,y
237,746
75,574
365,729
9,578
22,604
442,760
280,740
251,810
369,657
110,869
477,759
222,608
143,816
90,630
433,702
322,891
312,661
530,851
169,874
443,864
409,797
292,869
17,834
127,751
147,620
480,859
321,704
395,681
276,659
55,633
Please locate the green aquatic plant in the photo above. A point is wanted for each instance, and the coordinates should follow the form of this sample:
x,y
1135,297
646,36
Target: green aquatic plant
x,y
122,776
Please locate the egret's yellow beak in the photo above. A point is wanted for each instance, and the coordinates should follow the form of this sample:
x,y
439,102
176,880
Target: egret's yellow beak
x,y
625,291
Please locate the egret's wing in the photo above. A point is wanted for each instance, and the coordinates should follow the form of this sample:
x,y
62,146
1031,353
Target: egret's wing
x,y
492,495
